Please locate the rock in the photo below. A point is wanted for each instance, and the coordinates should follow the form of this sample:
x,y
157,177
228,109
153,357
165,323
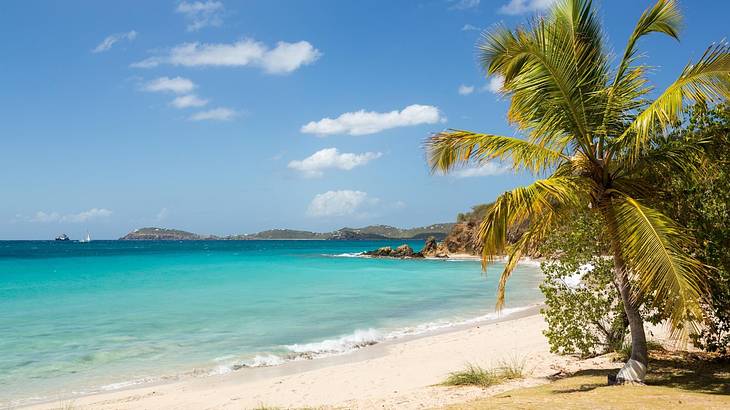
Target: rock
x,y
384,251
433,249
429,248
403,251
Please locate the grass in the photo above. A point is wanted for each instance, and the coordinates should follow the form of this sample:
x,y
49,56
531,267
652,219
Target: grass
x,y
675,379
473,375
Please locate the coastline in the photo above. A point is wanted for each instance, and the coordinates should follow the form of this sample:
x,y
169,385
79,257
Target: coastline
x,y
403,373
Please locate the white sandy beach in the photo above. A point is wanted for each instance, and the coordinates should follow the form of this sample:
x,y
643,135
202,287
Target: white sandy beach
x,y
403,374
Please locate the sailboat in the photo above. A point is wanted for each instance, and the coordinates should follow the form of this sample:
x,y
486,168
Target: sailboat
x,y
87,239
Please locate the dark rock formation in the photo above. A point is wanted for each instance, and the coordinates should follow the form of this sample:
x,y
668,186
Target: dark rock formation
x,y
434,249
403,251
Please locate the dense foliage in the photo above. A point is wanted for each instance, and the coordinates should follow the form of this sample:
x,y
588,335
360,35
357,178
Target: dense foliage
x,y
701,202
583,309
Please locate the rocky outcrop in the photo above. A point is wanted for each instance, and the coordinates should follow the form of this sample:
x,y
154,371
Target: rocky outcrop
x,y
434,249
463,238
403,251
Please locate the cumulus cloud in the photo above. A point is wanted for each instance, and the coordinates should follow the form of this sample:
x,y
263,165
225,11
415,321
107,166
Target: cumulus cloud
x,y
85,216
466,89
314,165
515,7
108,42
464,4
338,203
187,101
495,84
177,85
484,170
282,59
369,122
201,14
216,114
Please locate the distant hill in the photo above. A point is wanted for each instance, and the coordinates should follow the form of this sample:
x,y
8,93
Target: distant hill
x,y
163,234
374,232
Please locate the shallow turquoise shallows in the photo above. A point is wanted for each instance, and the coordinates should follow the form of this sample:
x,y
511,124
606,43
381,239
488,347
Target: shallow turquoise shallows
x,y
83,317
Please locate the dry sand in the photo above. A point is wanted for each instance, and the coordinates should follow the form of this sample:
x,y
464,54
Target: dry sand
x,y
403,374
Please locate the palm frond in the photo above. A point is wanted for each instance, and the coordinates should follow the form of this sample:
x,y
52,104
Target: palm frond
x,y
703,83
655,249
540,204
663,17
553,71
452,148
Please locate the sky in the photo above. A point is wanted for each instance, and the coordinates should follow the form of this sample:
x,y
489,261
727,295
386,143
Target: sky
x,y
227,117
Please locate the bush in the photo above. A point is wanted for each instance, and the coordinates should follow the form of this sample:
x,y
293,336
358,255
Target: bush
x,y
701,202
583,309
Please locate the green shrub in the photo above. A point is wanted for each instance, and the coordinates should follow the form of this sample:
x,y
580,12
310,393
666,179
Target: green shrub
x,y
584,312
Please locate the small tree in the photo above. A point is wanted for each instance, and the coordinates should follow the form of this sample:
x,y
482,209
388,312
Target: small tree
x,y
583,308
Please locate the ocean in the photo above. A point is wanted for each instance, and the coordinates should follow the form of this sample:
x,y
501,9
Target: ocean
x,y
77,318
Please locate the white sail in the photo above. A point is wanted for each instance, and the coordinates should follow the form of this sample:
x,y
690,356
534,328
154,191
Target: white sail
x,y
87,239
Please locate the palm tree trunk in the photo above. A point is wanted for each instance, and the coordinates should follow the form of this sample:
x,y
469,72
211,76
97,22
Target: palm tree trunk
x,y
634,370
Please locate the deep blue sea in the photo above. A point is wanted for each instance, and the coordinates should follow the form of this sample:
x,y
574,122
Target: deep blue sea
x,y
83,317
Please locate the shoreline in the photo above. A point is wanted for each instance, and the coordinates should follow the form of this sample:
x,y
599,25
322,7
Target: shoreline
x,y
290,368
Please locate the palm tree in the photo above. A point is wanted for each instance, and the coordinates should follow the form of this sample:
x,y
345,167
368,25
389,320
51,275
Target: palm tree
x,y
589,133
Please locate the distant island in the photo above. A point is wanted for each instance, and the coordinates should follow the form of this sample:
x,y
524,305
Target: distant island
x,y
373,232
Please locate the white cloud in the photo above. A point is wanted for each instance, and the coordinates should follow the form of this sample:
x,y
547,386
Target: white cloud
x,y
464,4
282,59
216,114
94,213
85,216
313,165
487,169
515,7
466,89
177,85
495,84
469,27
43,217
201,14
190,100
108,42
338,203
369,122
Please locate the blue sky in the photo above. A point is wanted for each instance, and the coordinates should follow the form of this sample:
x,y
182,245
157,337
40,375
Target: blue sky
x,y
232,117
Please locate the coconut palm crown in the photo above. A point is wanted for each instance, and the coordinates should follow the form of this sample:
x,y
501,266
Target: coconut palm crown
x,y
588,129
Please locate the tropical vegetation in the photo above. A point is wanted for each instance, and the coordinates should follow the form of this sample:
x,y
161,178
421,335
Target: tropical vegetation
x,y
590,137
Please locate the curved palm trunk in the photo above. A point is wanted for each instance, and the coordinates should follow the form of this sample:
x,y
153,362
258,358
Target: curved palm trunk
x,y
634,370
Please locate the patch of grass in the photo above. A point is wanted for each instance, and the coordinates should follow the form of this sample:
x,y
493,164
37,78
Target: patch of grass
x,y
513,368
474,375
675,380
67,405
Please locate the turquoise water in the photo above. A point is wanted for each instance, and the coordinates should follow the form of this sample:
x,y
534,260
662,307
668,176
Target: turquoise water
x,y
77,318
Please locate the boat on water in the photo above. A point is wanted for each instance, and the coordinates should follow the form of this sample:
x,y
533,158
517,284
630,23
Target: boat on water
x,y
87,239
63,237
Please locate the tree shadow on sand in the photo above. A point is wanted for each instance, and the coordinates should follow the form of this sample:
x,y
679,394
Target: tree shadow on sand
x,y
690,371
